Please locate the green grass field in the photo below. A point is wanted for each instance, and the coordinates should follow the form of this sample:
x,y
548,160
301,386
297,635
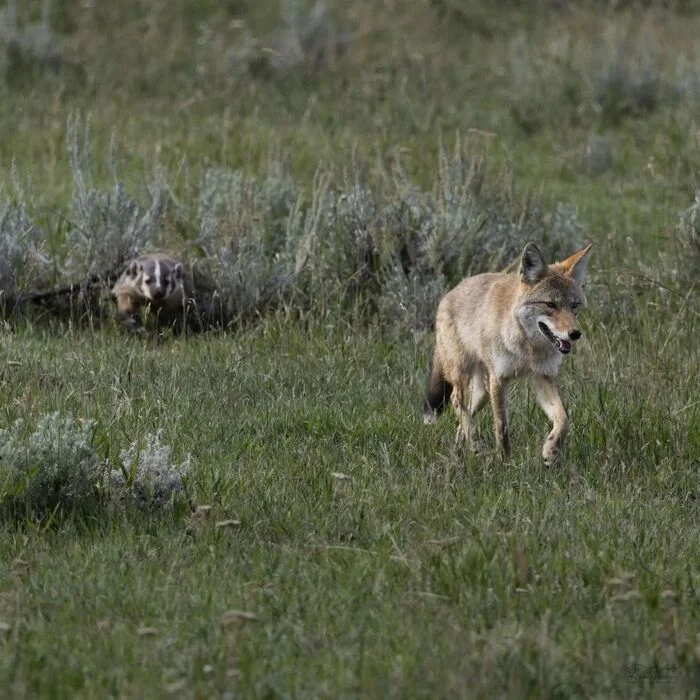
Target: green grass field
x,y
347,549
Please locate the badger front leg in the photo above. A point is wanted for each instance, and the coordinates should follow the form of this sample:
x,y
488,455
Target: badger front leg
x,y
549,399
129,311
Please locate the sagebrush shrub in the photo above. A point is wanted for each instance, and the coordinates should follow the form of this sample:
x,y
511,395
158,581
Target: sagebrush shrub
x,y
34,48
248,231
619,76
107,227
55,466
308,38
688,237
628,80
261,243
597,155
466,225
148,476
24,259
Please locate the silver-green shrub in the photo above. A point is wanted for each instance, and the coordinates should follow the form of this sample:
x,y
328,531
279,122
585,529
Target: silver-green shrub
x,y
53,467
148,477
688,238
107,227
307,38
263,243
26,49
250,232
24,259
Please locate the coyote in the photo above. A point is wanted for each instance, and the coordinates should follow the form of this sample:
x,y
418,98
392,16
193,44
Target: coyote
x,y
496,327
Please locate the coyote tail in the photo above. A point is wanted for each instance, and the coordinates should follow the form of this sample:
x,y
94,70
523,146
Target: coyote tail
x,y
437,394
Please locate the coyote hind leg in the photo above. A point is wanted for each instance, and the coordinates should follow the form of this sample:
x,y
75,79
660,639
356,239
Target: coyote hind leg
x,y
478,398
469,397
460,402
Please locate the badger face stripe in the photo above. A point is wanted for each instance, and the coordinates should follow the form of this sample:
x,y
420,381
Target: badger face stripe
x,y
147,279
151,279
157,277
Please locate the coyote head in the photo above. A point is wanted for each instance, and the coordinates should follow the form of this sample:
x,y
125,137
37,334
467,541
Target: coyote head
x,y
551,297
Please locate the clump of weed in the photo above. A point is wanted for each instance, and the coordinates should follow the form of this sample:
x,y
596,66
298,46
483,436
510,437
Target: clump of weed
x,y
688,238
542,83
307,40
621,76
342,260
148,476
107,228
249,232
467,225
597,156
265,243
34,50
54,467
628,81
24,259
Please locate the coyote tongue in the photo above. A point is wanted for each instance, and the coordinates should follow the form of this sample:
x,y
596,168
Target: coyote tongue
x,y
564,346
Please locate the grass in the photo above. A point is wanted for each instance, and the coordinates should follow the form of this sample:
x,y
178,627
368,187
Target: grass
x,y
349,550
427,572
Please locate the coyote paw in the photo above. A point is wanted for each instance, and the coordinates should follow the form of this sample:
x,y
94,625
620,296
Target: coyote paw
x,y
480,447
429,417
551,453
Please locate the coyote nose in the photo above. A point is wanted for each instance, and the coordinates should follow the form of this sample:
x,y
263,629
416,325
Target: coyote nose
x,y
575,334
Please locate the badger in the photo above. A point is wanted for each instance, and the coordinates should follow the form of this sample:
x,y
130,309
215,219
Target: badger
x,y
155,283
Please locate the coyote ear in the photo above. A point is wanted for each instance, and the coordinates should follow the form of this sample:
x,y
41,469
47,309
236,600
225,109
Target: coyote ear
x,y
532,265
576,265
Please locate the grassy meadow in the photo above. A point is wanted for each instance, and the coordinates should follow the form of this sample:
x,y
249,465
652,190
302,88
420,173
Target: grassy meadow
x,y
303,533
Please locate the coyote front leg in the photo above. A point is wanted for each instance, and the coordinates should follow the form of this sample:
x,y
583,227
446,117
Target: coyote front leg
x,y
499,404
549,399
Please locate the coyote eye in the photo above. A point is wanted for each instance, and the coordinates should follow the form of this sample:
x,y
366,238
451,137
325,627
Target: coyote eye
x,y
550,305
575,306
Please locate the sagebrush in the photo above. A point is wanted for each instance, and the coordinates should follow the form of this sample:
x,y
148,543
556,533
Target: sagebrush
x,y
257,244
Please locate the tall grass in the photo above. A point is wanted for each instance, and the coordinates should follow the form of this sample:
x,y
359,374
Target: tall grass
x,y
258,244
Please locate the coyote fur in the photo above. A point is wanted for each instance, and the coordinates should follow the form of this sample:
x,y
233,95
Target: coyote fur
x,y
496,327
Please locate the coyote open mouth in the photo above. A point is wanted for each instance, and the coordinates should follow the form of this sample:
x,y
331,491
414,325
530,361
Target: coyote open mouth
x,y
564,346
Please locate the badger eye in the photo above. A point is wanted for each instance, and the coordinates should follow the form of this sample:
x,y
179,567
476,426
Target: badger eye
x,y
148,280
